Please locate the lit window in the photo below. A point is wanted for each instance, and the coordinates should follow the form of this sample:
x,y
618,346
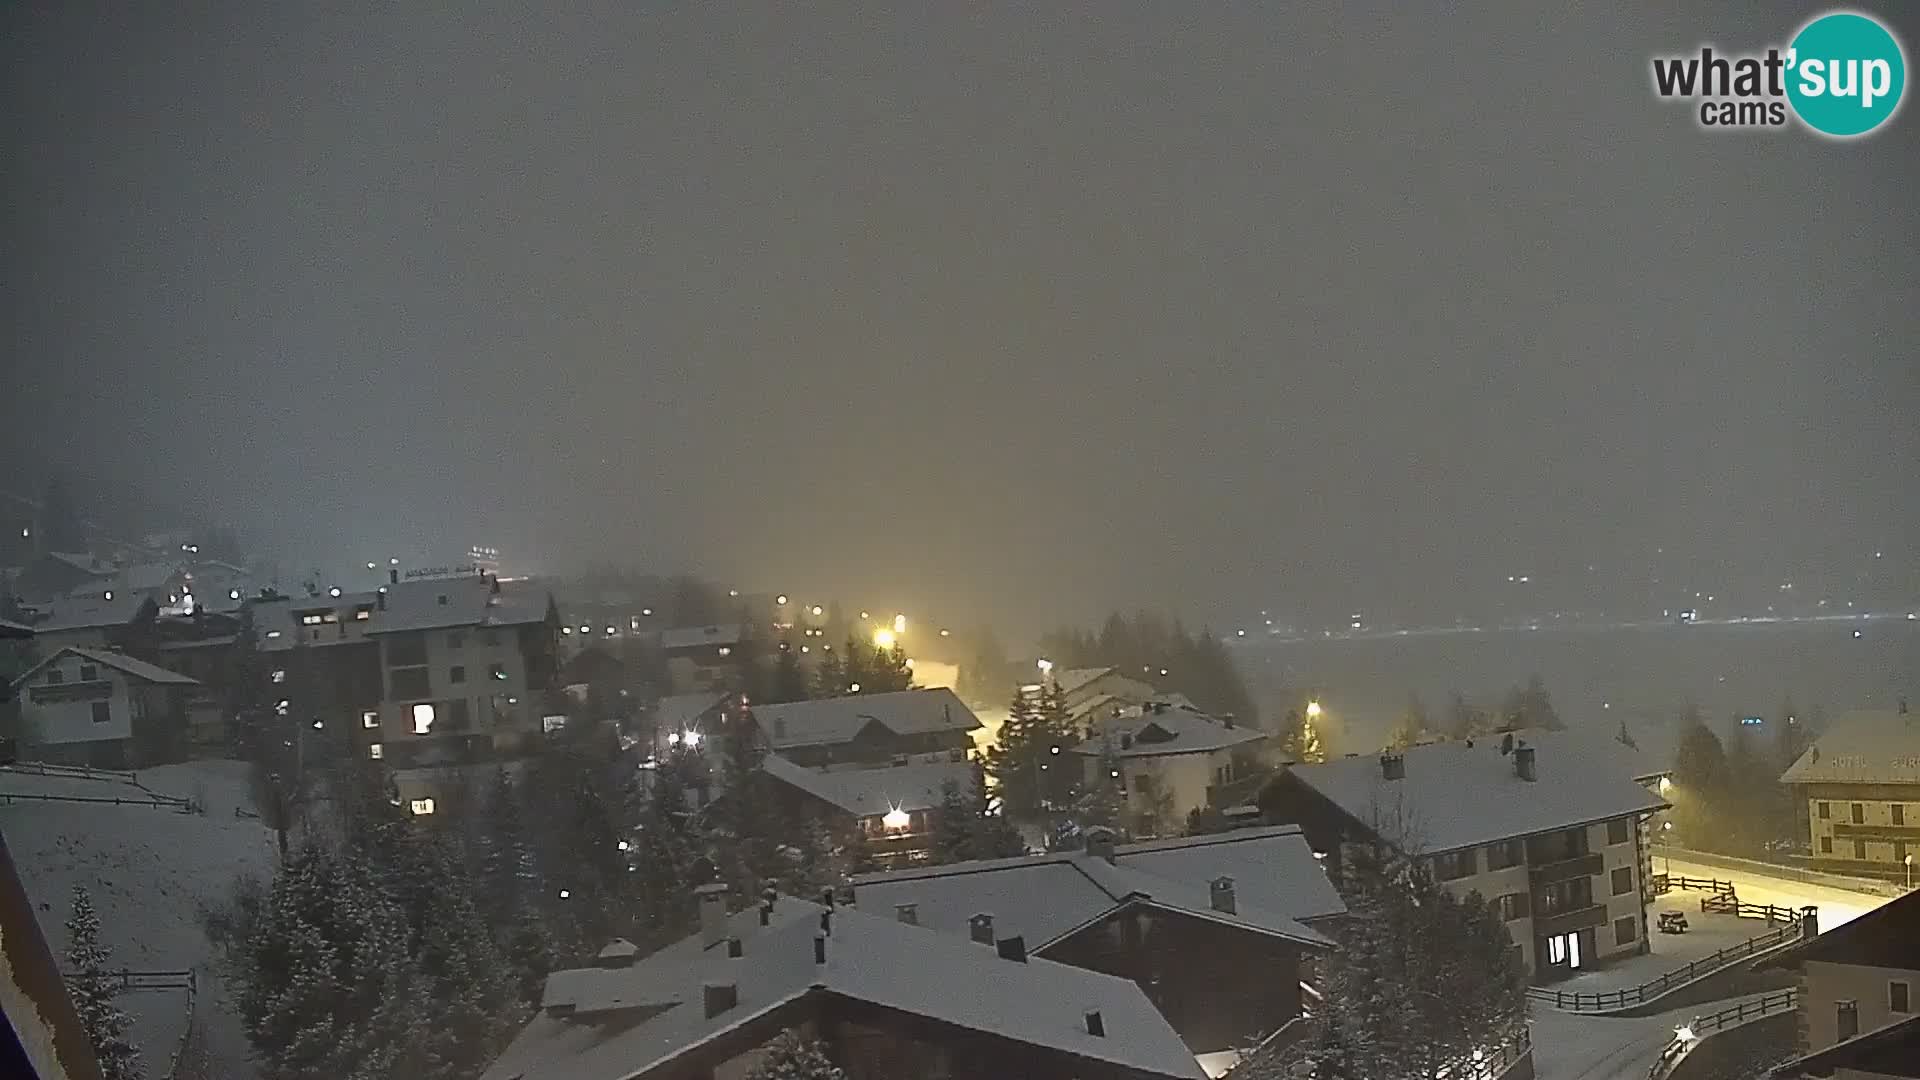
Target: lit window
x,y
497,672
551,724
375,751
310,619
422,719
421,807
273,634
725,651
369,719
279,675
362,614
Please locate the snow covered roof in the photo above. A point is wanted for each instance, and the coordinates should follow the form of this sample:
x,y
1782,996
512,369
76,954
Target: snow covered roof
x,y
10,629
837,720
693,637
1862,747
126,665
139,577
1459,794
87,612
870,791
640,1021
425,604
1073,679
1162,730
1047,897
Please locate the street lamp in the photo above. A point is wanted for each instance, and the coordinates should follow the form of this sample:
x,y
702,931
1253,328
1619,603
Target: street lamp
x,y
1045,665
883,638
1313,710
1909,861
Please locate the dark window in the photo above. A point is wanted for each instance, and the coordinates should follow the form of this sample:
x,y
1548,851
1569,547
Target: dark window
x,y
457,674
55,676
1456,864
1624,931
410,683
406,650
1618,831
1899,814
1513,906
456,639
102,711
1859,814
1504,854
1859,849
1623,881
489,637
1897,997
1847,1019
1557,847
454,716
1826,811
1826,845
88,673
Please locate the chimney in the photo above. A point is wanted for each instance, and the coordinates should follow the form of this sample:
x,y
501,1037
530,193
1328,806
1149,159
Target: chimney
x,y
1096,1024
393,576
719,997
1227,720
819,949
766,916
1523,766
980,928
735,950
1393,767
620,953
1222,892
380,599
713,913
907,913
1013,948
1100,843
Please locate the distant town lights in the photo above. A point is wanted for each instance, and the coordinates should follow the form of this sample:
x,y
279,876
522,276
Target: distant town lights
x,y
817,610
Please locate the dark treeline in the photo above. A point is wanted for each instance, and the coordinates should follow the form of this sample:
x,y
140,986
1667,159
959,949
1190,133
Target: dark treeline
x,y
1727,795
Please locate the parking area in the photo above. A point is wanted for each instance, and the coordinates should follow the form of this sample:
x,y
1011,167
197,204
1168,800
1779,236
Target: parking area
x,y
1706,934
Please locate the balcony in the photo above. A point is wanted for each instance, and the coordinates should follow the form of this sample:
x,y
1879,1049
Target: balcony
x,y
1547,873
1569,921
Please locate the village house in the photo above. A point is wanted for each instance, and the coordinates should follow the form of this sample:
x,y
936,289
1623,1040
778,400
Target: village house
x,y
99,708
868,728
1856,996
893,807
703,657
1860,786
1091,694
1539,823
889,1000
1170,759
1219,931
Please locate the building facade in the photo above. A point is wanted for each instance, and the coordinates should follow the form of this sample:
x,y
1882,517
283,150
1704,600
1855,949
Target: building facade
x,y
1857,996
1171,760
1859,784
104,709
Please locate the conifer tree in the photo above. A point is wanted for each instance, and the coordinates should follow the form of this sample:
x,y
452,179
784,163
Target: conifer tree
x,y
1300,740
90,985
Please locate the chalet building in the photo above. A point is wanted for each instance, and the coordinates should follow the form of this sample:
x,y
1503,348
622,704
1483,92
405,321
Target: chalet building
x,y
892,806
1171,759
104,709
868,728
1860,785
1857,995
703,657
92,621
888,999
1091,694
1216,930
427,676
1551,831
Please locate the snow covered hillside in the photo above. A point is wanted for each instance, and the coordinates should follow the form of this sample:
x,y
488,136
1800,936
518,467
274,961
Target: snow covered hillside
x,y
149,869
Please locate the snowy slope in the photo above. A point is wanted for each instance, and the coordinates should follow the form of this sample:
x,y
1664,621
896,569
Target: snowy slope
x,y
149,870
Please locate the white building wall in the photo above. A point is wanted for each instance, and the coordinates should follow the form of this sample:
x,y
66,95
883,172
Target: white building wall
x,y
1828,984
1625,905
479,651
72,721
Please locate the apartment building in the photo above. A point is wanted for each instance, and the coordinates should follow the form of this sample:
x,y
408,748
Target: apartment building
x,y
1170,759
1551,832
425,676
1857,990
1091,694
1860,785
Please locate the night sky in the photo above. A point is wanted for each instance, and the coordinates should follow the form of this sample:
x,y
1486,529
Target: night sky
x,y
1002,312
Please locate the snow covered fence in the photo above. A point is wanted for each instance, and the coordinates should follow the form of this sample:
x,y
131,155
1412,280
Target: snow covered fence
x,y
1688,1035
164,802
83,772
1631,997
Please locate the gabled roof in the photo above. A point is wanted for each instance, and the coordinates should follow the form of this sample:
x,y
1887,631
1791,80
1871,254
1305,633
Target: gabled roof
x,y
1862,747
10,629
87,612
1047,897
1459,794
630,1022
870,791
422,604
691,637
139,577
126,665
1073,679
1163,730
829,721
1886,937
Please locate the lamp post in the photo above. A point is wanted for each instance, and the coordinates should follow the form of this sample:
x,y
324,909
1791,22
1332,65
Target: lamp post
x,y
1909,861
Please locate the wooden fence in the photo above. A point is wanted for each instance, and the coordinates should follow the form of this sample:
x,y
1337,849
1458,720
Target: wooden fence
x,y
1702,1026
1667,982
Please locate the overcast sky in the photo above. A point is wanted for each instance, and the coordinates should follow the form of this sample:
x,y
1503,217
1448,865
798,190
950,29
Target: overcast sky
x,y
994,311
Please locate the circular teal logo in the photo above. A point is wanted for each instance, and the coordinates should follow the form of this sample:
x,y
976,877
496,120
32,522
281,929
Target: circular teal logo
x,y
1846,74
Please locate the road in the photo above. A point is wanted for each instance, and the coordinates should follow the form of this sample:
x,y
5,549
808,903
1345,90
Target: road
x,y
1837,906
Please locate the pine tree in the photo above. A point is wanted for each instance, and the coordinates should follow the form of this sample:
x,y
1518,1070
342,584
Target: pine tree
x,y
1103,797
1530,706
953,827
91,988
1014,759
887,671
789,678
1464,720
1300,740
1412,726
790,1057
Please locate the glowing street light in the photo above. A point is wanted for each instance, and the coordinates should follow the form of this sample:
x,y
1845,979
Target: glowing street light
x,y
1045,665
1684,1033
883,638
1313,710
1666,785
781,599
896,819
817,610
853,688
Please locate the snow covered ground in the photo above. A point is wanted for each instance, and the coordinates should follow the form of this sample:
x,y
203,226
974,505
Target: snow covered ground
x,y
1836,906
149,870
1571,1047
